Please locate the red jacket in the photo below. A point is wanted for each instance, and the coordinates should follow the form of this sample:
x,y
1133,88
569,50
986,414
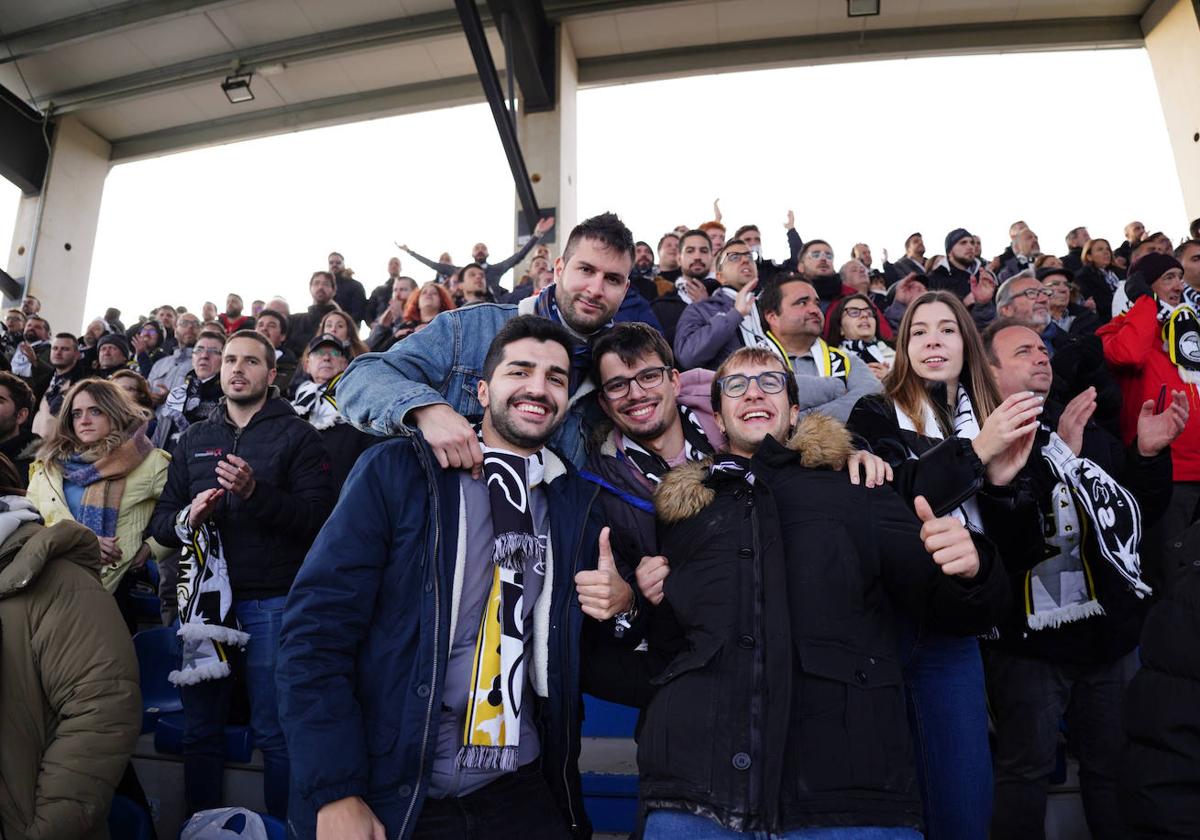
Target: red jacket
x,y
1133,348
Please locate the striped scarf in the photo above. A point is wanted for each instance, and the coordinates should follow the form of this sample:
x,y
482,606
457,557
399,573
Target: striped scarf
x,y
103,480
318,403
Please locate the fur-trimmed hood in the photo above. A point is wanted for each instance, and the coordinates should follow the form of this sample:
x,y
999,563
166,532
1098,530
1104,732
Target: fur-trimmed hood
x,y
822,441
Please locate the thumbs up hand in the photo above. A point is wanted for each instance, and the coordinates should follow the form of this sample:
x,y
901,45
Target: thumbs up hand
x,y
948,541
603,593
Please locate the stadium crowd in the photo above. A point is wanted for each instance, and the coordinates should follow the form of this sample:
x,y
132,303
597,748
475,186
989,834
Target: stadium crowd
x,y
860,539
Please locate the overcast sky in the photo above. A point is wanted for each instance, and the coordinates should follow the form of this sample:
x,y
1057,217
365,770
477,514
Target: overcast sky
x,y
862,152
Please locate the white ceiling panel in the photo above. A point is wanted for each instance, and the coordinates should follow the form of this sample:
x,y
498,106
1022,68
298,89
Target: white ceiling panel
x,y
753,20
391,67
424,7
178,40
16,15
594,36
680,25
84,63
325,15
310,80
261,22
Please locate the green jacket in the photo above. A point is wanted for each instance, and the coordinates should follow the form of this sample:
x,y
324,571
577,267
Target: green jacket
x,y
70,706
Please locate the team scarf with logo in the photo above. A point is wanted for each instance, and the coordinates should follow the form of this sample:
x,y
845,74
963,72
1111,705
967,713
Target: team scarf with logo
x,y
207,624
1181,334
729,467
318,403
1087,501
695,448
870,351
966,426
492,728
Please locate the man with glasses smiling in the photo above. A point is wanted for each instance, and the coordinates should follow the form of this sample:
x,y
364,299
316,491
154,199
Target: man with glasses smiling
x,y
710,329
778,704
661,419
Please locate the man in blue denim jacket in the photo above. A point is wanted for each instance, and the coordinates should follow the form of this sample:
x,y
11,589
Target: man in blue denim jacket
x,y
429,380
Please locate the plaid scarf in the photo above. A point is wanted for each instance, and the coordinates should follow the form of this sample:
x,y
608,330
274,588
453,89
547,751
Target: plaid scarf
x,y
1061,589
103,480
206,620
492,728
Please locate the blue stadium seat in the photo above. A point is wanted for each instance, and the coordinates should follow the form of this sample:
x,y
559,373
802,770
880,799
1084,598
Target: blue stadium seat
x,y
611,801
158,655
168,739
127,820
602,719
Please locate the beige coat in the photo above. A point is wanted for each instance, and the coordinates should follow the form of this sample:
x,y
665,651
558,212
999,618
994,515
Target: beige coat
x,y
70,706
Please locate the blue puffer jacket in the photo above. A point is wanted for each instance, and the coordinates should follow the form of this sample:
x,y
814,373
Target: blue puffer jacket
x,y
366,635
443,363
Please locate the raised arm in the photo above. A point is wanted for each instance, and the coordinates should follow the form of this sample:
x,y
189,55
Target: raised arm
x,y
439,267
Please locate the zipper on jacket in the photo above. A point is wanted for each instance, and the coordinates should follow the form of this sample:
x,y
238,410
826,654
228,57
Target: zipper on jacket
x,y
437,619
566,664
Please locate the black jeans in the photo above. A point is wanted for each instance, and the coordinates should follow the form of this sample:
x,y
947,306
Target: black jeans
x,y
1028,697
518,806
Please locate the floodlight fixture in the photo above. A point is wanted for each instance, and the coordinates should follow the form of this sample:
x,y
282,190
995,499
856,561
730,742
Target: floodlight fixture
x,y
237,88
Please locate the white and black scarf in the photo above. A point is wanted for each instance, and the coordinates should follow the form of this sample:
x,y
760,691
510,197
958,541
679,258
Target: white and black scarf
x,y
318,403
207,623
752,329
492,728
870,351
695,448
966,426
1061,589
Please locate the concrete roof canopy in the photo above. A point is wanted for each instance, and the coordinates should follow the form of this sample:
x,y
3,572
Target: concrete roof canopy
x,y
145,74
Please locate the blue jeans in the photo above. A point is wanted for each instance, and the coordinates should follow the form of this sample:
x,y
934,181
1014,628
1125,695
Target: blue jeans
x,y
947,710
667,825
206,710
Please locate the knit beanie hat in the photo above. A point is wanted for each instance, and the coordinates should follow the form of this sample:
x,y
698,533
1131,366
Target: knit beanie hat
x,y
954,236
1153,266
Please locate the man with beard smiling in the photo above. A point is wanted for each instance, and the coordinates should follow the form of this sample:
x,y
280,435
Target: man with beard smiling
x,y
781,613
428,382
434,643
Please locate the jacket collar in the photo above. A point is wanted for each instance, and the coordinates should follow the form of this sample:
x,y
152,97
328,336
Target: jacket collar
x,y
819,442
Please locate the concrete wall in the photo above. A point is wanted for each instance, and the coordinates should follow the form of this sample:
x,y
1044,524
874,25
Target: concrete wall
x,y
56,230
548,145
1172,29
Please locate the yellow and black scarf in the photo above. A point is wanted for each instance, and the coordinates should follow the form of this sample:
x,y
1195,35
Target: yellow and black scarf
x,y
492,728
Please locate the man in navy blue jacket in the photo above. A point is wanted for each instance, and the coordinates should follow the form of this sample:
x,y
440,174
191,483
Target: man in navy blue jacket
x,y
429,676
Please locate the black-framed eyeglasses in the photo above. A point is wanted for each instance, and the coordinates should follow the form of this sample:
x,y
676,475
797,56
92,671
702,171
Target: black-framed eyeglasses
x,y
648,379
769,382
1034,294
859,312
736,256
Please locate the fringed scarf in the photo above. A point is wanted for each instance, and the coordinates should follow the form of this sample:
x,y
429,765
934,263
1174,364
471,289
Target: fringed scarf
x,y
103,480
1062,588
189,403
207,624
318,403
870,351
492,728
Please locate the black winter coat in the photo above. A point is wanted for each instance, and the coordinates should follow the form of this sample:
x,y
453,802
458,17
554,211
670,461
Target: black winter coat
x,y
1158,784
1090,282
783,705
266,536
947,473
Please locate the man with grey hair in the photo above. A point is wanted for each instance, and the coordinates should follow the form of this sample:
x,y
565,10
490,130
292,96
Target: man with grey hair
x,y
1025,250
1076,358
1076,239
854,274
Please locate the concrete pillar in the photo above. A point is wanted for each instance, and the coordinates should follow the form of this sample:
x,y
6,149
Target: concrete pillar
x,y
56,230
548,145
1172,29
